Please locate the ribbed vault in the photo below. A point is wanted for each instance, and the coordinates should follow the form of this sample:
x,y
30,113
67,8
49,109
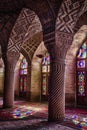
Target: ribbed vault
x,y
19,30
26,34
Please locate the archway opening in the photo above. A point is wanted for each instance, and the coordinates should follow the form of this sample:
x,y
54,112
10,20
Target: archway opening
x,y
73,86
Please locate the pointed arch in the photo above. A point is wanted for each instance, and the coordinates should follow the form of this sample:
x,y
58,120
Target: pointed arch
x,y
70,68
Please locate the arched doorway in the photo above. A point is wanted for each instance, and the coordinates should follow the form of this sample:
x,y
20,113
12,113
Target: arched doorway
x,y
45,72
81,75
23,78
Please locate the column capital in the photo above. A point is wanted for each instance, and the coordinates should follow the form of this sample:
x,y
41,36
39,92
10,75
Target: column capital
x,y
11,55
12,58
58,61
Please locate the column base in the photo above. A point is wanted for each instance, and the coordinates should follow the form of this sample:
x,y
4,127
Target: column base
x,y
7,105
58,119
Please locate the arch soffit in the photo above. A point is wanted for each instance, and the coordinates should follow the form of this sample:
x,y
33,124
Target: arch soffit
x,y
78,40
29,47
41,50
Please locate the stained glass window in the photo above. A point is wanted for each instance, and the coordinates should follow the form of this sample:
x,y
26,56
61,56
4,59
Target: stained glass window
x,y
44,84
81,83
46,63
23,78
23,67
81,63
45,73
21,82
81,70
82,52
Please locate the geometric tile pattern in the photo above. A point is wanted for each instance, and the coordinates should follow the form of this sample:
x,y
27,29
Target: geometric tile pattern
x,y
67,15
23,22
31,44
49,38
6,24
63,42
83,8
7,6
12,56
34,28
56,92
34,32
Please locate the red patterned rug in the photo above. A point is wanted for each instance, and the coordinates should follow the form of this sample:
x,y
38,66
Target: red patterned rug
x,y
74,117
24,110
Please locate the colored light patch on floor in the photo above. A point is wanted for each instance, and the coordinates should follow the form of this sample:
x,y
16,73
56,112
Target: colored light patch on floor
x,y
80,122
75,118
23,112
17,113
78,117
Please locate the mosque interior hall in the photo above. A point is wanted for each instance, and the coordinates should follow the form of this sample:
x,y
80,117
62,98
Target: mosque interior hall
x,y
43,65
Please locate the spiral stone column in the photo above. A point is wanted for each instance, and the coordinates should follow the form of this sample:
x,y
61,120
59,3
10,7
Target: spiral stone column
x,y
8,96
56,105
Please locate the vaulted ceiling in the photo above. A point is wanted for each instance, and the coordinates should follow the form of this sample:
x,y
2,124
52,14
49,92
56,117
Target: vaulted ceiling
x,y
10,5
63,12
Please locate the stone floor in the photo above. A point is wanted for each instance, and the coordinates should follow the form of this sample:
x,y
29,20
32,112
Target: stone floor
x,y
34,116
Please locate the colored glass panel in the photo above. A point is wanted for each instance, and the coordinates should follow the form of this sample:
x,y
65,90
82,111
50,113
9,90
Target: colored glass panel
x,y
44,85
81,64
82,52
45,73
23,69
81,91
81,83
46,59
44,68
81,76
21,82
48,68
25,85
46,63
23,77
